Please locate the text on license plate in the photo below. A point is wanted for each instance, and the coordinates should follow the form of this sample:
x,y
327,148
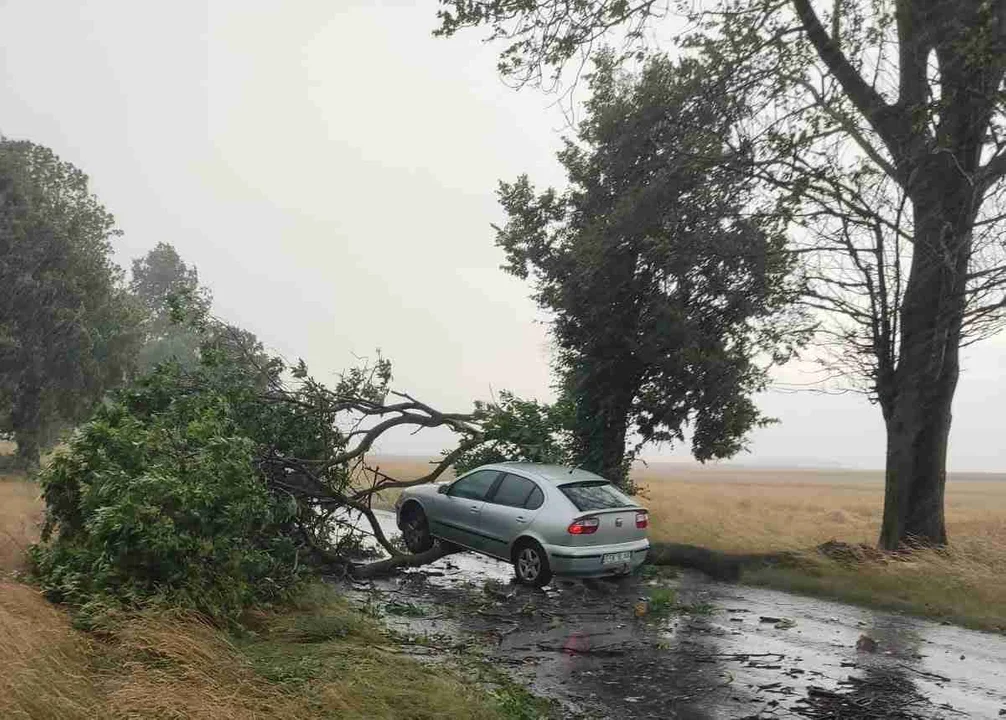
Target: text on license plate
x,y
612,558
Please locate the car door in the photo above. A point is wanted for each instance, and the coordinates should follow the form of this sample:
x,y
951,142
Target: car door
x,y
507,512
458,514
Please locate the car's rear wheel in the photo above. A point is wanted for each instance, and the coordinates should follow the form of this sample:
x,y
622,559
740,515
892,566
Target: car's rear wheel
x,y
415,529
530,564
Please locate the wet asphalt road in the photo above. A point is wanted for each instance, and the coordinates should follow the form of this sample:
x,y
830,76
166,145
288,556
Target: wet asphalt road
x,y
725,651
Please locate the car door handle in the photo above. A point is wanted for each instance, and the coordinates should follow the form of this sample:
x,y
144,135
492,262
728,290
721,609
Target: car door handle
x,y
520,519
474,508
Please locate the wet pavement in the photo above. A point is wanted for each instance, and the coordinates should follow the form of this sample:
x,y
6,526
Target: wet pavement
x,y
697,649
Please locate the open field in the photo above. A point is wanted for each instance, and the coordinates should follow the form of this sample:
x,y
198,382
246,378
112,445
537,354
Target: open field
x,y
760,510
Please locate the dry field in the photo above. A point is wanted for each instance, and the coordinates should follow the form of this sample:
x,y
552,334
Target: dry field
x,y
759,510
749,510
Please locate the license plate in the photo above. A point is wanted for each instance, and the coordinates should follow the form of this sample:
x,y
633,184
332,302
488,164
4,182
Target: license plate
x,y
612,558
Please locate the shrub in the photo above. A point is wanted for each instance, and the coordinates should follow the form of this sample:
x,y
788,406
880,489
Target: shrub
x,y
161,496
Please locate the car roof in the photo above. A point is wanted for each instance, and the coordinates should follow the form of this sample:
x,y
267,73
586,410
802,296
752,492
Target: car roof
x,y
554,474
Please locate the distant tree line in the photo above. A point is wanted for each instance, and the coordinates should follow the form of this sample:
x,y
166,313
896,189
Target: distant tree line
x,y
71,326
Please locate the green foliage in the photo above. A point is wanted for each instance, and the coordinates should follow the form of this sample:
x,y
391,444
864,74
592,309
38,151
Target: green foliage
x,y
162,495
68,328
516,429
514,702
669,291
662,601
321,628
541,37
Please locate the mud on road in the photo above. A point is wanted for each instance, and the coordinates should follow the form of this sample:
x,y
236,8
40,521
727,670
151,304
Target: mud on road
x,y
696,649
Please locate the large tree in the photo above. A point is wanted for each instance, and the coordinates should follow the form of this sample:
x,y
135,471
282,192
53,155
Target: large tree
x,y
178,326
67,325
669,291
170,294
882,121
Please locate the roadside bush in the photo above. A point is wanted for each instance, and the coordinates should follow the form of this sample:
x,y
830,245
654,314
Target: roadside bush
x,y
161,497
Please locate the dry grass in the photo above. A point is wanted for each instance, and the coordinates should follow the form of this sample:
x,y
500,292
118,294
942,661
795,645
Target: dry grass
x,y
150,667
20,514
174,666
179,667
761,510
45,671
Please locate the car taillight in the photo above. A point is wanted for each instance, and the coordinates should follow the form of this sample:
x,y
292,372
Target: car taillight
x,y
642,519
583,526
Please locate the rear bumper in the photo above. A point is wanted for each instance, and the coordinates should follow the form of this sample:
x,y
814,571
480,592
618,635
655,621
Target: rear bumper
x,y
586,561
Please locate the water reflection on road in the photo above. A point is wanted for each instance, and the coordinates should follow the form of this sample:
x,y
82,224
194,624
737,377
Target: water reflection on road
x,y
727,651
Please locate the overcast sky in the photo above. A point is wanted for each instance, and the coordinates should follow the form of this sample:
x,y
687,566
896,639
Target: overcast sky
x,y
330,169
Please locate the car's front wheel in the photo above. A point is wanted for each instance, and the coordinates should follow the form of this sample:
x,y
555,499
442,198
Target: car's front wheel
x,y
531,564
415,529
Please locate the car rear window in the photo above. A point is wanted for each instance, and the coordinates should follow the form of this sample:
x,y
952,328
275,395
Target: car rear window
x,y
594,495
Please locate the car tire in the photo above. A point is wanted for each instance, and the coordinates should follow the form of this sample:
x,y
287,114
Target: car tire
x,y
530,564
415,529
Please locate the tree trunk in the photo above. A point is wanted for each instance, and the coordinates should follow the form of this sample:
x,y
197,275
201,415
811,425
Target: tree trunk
x,y
603,402
916,473
26,421
918,421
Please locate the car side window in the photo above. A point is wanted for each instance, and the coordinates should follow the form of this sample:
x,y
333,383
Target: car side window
x,y
535,499
513,491
475,486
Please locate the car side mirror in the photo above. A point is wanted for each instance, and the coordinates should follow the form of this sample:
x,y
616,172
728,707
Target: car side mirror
x,y
442,489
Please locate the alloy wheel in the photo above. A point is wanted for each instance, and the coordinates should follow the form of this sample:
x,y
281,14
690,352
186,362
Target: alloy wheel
x,y
529,564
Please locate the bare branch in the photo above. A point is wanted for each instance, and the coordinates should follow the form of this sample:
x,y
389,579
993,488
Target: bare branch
x,y
884,118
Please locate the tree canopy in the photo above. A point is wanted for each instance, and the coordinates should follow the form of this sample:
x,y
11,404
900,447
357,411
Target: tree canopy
x,y
164,285
670,292
67,325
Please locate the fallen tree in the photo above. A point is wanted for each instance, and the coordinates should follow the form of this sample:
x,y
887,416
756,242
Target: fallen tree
x,y
224,485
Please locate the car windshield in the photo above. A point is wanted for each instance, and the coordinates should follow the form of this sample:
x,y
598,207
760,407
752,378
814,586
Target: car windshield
x,y
594,495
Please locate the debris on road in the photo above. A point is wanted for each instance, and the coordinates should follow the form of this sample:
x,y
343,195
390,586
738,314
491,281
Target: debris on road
x,y
866,644
878,696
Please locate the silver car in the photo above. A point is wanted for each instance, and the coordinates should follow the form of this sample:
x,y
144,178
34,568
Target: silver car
x,y
545,519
